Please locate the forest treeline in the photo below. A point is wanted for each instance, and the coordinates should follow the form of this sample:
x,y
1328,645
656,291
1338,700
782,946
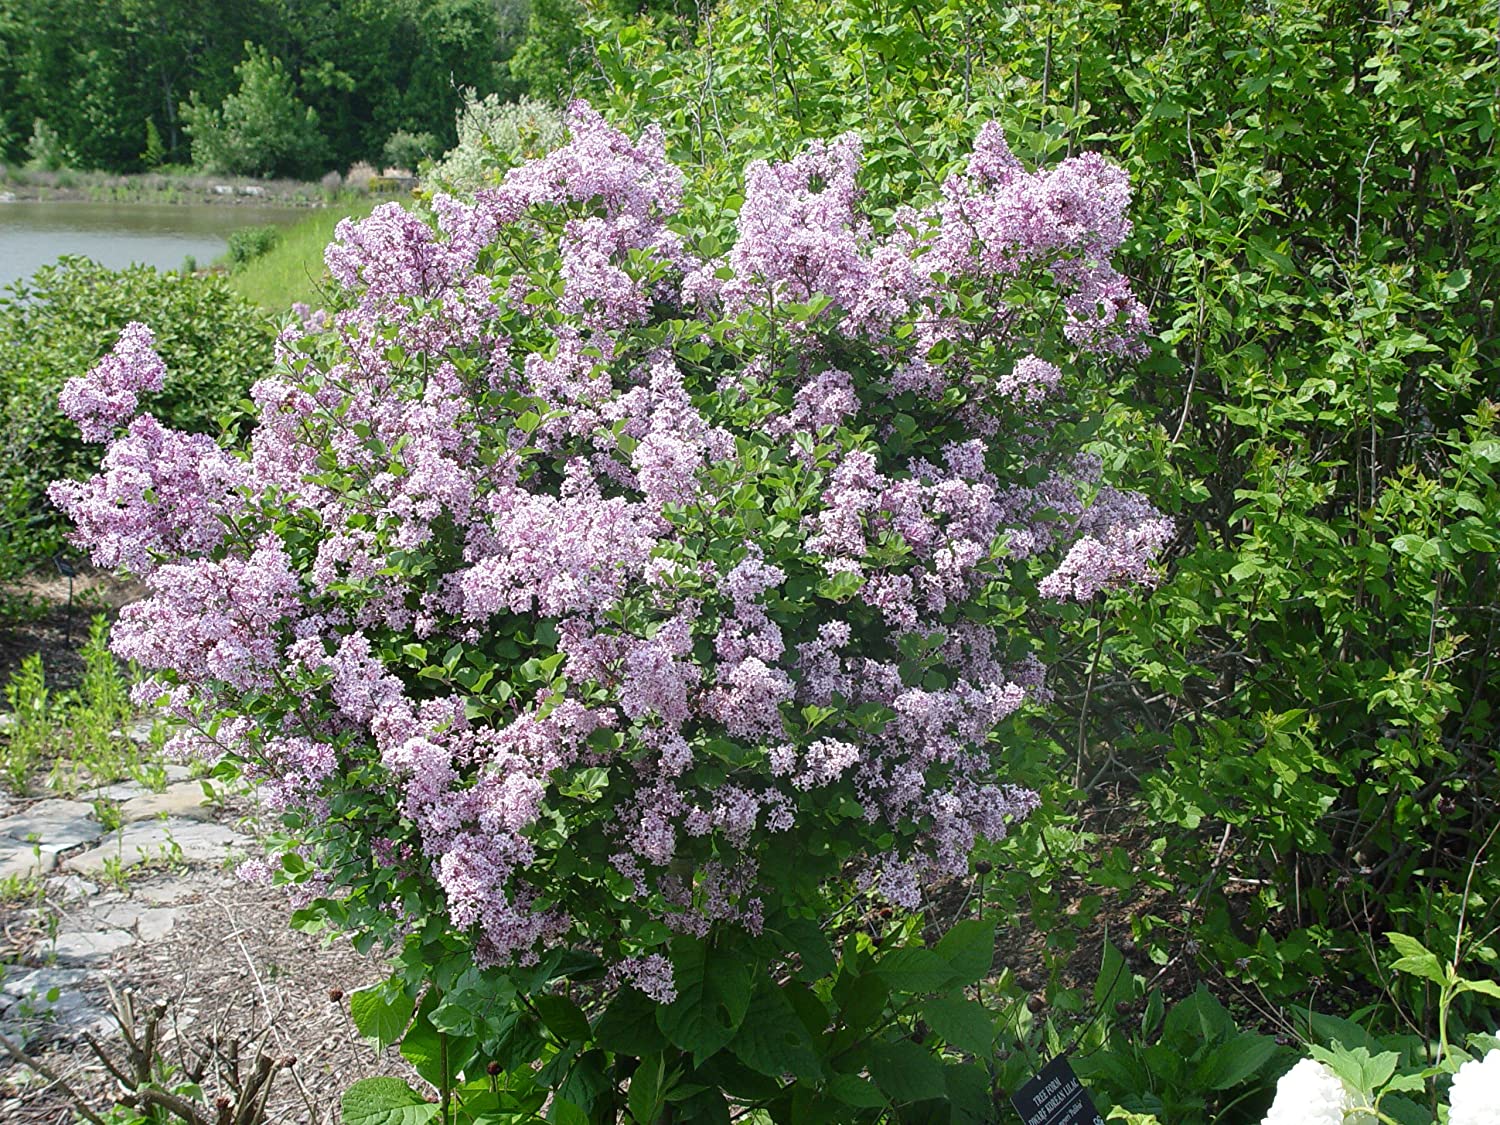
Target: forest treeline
x,y
265,87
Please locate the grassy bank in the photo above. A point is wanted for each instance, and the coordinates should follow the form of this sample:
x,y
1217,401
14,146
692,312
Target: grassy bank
x,y
293,270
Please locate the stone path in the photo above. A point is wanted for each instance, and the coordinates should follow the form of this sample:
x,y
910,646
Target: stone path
x,y
100,891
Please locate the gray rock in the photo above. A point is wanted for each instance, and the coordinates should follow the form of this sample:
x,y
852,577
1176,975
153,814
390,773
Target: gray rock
x,y
182,798
149,922
119,791
23,983
94,936
23,861
160,840
89,947
66,888
166,890
27,1003
57,824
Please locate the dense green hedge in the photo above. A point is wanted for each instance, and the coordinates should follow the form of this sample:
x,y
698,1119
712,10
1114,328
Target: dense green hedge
x,y
57,325
1302,714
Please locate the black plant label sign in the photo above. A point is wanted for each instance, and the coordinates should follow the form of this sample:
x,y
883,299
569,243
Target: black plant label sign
x,y
1055,1097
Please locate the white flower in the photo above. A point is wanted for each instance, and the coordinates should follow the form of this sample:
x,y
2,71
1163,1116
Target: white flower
x,y
1312,1094
1475,1096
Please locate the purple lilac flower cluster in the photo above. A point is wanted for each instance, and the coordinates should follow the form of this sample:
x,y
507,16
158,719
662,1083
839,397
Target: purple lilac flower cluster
x,y
106,396
597,592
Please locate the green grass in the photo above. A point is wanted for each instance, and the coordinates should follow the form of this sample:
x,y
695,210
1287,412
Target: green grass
x,y
75,740
293,269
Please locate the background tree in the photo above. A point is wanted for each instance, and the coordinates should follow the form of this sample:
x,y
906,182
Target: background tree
x,y
263,128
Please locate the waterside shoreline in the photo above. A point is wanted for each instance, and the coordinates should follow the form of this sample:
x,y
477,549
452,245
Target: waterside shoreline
x,y
20,186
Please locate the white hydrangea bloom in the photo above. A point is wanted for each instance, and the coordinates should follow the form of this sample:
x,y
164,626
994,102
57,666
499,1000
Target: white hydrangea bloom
x,y
1475,1096
1311,1094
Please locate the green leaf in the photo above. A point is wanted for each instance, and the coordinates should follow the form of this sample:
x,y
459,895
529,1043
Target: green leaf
x,y
861,1000
1333,1028
1416,960
380,1015
422,1046
1362,1071
1455,283
1484,987
563,1018
856,1091
1236,1061
772,1039
914,969
565,1112
1114,980
970,948
384,1101
968,1094
1379,1069
435,1055
906,1072
648,1088
628,1026
805,938
1196,1021
586,1080
713,995
1409,1083
963,1023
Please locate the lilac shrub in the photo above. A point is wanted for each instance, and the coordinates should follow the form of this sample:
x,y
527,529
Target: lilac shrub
x,y
582,586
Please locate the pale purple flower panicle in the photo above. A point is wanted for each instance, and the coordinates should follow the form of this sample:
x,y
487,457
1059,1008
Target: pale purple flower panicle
x,y
208,621
393,253
651,975
104,398
1030,380
160,493
1123,535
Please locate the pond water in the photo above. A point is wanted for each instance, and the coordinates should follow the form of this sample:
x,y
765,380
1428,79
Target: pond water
x,y
118,234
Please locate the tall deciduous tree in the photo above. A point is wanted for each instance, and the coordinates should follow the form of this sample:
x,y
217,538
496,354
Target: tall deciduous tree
x,y
263,128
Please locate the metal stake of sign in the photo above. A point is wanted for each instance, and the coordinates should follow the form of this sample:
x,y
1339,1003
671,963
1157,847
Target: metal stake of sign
x,y
65,568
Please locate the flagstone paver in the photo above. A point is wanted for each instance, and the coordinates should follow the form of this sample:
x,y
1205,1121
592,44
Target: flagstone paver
x,y
96,919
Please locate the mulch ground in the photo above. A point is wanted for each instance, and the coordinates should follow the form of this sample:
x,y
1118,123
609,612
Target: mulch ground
x,y
233,971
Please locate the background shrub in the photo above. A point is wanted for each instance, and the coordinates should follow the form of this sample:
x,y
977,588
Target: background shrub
x,y
408,150
249,243
58,324
493,136
94,70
